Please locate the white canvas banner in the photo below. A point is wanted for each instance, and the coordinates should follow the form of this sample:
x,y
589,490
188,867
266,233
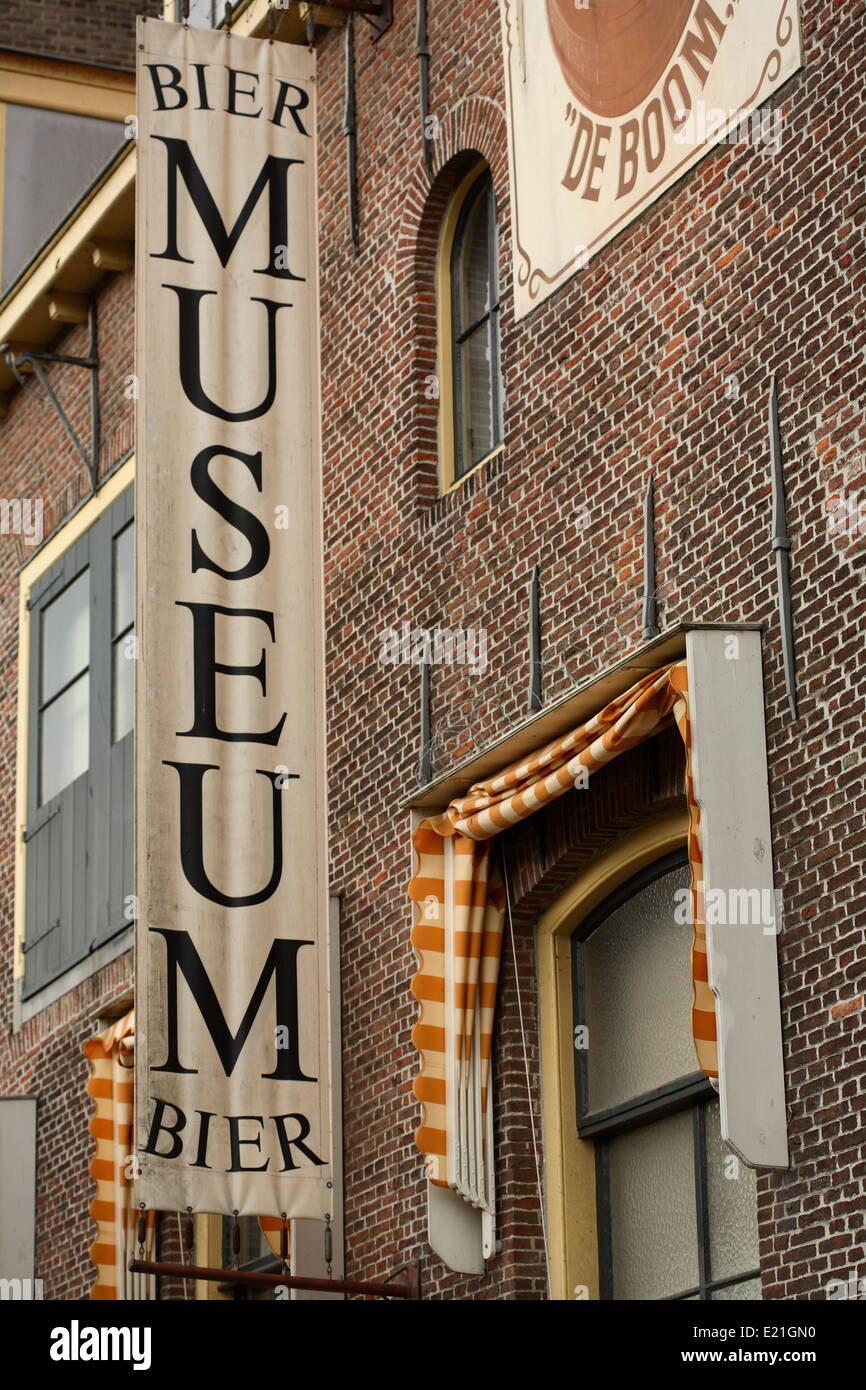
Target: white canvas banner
x,y
232,1034
611,101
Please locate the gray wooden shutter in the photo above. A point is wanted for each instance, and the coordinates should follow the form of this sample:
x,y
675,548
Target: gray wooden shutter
x,y
79,843
120,880
58,884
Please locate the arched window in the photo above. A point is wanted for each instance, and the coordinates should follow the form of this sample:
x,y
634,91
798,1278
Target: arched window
x,y
471,387
677,1215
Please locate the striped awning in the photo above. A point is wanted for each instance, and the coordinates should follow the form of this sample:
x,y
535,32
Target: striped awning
x,y
113,1165
459,915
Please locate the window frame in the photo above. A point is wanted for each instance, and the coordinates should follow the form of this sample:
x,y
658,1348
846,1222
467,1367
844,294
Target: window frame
x,y
691,1092
452,475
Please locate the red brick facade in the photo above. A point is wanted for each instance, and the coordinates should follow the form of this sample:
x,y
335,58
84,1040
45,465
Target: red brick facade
x,y
656,359
78,31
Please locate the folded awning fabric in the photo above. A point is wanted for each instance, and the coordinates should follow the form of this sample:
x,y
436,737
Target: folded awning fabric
x,y
110,1086
459,915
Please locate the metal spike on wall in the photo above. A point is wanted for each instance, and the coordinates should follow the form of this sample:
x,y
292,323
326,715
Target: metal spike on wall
x,y
425,766
536,697
650,611
422,53
782,548
350,126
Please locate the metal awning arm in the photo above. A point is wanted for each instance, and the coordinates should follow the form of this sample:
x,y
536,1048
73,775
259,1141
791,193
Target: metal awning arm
x,y
27,358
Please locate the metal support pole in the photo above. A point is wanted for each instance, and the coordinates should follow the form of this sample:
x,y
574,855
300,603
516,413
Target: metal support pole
x,y
408,1288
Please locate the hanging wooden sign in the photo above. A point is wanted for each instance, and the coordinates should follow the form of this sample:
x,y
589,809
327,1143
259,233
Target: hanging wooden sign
x,y
611,101
232,1048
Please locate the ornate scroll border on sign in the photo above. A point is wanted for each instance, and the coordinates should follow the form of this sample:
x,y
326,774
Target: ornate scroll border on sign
x,y
727,59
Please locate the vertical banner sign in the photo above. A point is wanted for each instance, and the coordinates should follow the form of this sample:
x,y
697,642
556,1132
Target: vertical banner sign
x,y
232,1038
611,101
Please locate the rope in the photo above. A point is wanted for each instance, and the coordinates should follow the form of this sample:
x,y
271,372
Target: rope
x,y
526,1069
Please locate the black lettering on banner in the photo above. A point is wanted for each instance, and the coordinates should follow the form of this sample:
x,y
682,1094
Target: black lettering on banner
x,y
191,835
189,354
273,175
206,668
287,1144
157,1127
237,516
173,86
235,1142
182,958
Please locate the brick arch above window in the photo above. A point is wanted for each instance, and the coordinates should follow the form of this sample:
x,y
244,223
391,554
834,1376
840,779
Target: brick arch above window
x,y
474,131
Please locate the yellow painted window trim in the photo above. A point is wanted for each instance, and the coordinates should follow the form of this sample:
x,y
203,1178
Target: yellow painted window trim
x,y
50,553
444,324
572,1234
458,482
209,1252
74,88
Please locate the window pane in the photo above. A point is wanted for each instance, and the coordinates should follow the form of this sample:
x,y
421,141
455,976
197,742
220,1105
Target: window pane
x,y
732,1208
751,1289
65,738
477,395
476,290
653,1217
124,581
202,13
66,636
51,157
638,996
123,685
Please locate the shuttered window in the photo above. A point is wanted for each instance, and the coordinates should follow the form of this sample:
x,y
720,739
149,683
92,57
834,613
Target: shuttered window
x,y
79,869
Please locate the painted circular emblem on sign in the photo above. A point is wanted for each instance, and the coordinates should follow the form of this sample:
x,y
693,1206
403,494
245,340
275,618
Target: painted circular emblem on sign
x,y
614,52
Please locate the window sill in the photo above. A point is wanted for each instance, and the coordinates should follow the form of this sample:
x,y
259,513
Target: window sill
x,y
76,974
470,472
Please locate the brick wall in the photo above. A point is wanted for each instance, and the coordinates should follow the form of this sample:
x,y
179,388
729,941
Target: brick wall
x,y
84,31
750,265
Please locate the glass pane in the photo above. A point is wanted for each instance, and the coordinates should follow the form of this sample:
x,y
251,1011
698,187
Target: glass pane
x,y
475,278
733,1207
751,1289
66,636
124,581
477,395
65,738
123,684
653,1218
202,13
638,995
50,158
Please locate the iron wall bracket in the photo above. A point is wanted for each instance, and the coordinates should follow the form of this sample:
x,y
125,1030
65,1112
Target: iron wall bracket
x,y
17,362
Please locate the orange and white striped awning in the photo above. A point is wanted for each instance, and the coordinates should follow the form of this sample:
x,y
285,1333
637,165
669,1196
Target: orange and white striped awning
x,y
112,1167
459,915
